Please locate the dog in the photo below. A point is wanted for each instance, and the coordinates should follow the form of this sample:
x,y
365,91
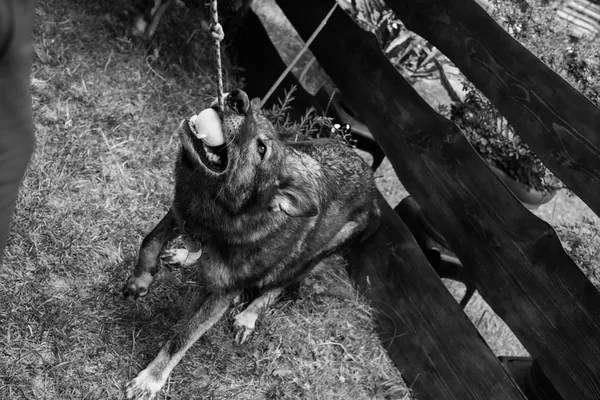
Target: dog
x,y
265,212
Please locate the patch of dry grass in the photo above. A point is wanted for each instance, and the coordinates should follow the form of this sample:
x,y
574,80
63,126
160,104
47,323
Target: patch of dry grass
x,y
105,107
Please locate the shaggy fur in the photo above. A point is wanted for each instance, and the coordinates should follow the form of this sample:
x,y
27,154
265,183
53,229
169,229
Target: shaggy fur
x,y
264,215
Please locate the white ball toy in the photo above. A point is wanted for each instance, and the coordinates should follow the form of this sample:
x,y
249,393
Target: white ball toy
x,y
207,125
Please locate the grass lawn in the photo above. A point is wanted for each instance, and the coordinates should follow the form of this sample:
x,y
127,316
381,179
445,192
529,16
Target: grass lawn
x,y
105,108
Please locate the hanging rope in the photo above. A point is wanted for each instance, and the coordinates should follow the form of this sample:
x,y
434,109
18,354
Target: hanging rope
x,y
300,53
218,35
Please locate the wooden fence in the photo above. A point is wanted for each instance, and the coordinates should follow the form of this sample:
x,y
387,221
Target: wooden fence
x,y
583,17
514,259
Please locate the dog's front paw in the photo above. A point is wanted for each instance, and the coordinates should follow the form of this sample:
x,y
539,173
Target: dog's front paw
x,y
137,286
243,326
143,386
182,257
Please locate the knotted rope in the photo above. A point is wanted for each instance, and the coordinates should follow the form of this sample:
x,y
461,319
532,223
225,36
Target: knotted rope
x,y
218,35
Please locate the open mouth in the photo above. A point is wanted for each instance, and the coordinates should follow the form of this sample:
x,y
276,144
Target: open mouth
x,y
213,157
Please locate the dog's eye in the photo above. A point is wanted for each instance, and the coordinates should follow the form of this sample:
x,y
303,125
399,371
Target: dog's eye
x,y
261,148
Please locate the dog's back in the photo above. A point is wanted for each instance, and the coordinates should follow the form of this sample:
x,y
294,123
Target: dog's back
x,y
346,176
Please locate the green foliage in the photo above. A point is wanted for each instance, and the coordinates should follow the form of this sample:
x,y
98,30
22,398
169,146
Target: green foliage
x,y
534,25
495,140
582,243
311,125
279,115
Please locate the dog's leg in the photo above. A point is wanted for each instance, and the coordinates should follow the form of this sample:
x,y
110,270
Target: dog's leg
x,y
245,322
153,377
363,225
147,266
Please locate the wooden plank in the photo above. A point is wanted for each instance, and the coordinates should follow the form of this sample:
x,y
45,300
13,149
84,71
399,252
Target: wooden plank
x,y
515,259
559,123
576,19
593,15
574,15
585,3
438,351
261,64
578,32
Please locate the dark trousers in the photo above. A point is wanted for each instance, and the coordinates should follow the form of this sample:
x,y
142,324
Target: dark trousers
x,y
16,124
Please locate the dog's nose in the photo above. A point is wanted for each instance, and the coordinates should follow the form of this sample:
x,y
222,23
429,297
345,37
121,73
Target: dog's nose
x,y
238,101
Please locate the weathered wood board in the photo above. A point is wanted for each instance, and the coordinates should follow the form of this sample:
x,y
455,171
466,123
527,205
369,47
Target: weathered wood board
x,y
516,259
560,124
438,351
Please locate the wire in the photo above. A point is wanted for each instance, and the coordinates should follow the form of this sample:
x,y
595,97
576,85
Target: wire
x,y
300,53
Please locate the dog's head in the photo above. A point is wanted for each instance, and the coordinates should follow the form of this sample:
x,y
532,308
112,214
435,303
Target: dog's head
x,y
253,168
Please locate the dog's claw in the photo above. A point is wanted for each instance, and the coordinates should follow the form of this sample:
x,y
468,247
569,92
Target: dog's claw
x,y
181,257
242,334
243,326
137,286
142,388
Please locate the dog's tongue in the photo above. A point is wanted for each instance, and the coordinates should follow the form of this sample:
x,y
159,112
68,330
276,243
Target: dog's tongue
x,y
207,127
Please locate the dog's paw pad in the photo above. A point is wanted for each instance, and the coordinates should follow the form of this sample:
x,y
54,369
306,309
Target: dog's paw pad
x,y
243,326
181,257
137,286
142,387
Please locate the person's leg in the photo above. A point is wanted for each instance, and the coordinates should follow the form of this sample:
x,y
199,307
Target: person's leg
x,y
16,122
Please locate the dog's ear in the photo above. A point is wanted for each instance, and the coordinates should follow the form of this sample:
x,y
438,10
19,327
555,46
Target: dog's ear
x,y
294,201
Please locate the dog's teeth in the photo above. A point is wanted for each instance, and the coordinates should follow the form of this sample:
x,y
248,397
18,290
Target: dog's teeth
x,y
214,158
192,125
